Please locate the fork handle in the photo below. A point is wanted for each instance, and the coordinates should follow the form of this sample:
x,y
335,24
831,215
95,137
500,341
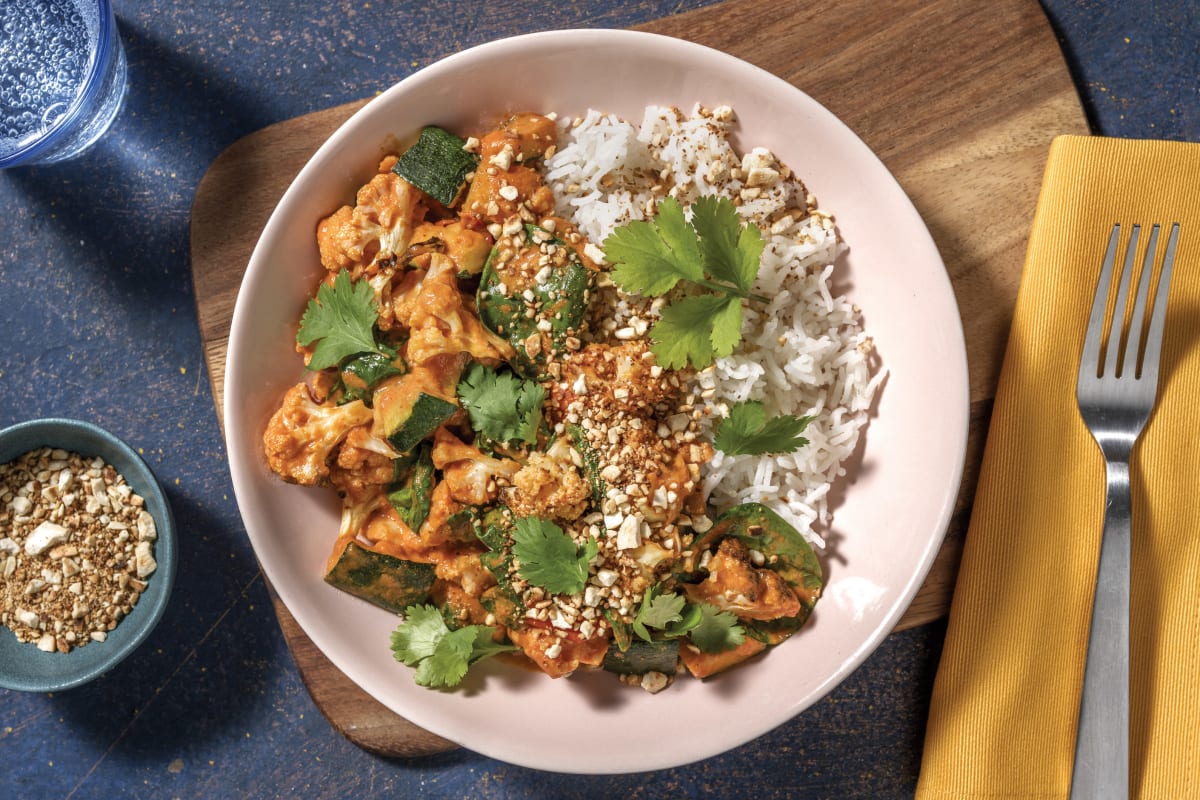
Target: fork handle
x,y
1102,748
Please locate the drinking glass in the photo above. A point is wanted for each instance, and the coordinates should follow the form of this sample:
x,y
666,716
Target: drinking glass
x,y
62,78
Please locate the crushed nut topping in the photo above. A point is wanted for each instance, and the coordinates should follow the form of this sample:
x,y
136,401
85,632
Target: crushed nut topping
x,y
76,550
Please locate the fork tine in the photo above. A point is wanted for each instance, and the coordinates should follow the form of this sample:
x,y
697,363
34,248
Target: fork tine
x,y
1159,316
1089,362
1133,339
1113,350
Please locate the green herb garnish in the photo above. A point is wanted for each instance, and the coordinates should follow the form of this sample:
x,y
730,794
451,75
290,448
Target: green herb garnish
x,y
658,610
714,256
341,320
747,431
709,628
716,630
502,407
549,558
442,656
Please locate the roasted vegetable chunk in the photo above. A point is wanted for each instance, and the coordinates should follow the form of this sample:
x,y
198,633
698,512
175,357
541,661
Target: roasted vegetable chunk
x,y
409,408
375,229
557,656
735,585
471,477
301,437
784,552
438,164
430,305
466,247
550,485
388,582
504,184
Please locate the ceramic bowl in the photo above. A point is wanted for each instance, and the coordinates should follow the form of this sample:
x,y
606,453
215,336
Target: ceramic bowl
x,y
22,665
898,494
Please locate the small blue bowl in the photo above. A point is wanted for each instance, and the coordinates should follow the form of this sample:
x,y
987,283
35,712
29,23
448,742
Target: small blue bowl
x,y
22,665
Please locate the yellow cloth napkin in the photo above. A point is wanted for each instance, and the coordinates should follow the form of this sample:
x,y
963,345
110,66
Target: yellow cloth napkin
x,y
1005,702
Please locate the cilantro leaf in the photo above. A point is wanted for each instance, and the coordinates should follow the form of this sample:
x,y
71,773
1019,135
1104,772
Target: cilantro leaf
x,y
441,655
670,613
650,257
449,661
658,610
747,431
341,320
725,327
690,619
484,645
716,630
549,557
714,255
731,253
695,329
501,406
417,638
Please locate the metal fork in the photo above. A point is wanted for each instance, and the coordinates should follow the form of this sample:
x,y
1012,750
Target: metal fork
x,y
1115,399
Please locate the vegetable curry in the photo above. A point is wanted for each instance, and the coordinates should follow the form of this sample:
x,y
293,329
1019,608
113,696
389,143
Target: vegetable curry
x,y
517,470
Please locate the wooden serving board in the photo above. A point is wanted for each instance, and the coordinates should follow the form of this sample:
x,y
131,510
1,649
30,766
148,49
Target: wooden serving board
x,y
960,99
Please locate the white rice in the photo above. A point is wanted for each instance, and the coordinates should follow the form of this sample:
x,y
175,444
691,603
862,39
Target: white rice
x,y
804,353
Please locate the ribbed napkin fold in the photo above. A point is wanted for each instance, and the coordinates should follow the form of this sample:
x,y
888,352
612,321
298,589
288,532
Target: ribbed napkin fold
x,y
1003,716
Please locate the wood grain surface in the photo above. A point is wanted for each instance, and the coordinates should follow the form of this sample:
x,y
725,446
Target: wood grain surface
x,y
960,100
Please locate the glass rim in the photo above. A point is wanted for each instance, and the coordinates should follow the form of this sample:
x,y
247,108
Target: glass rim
x,y
106,34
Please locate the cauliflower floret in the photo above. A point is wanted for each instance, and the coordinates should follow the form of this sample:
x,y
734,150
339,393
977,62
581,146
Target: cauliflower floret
x,y
302,435
470,476
733,584
364,464
549,485
372,519
373,232
467,247
431,306
388,533
465,569
356,513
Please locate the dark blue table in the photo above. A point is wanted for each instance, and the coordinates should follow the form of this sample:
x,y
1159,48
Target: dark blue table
x,y
97,321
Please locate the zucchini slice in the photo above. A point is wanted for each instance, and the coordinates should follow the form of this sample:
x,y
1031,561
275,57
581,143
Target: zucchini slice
x,y
437,165
388,582
363,373
410,407
408,417
413,495
642,657
427,413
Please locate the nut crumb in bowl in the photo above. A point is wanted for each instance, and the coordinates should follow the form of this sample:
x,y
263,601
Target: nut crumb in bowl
x,y
69,520
89,551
